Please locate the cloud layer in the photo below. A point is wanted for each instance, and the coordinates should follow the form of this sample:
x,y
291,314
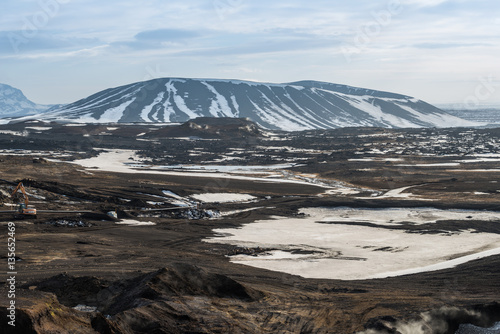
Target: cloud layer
x,y
62,50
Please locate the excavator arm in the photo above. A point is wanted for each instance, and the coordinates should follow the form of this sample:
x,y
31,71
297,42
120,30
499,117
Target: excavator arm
x,y
24,210
20,186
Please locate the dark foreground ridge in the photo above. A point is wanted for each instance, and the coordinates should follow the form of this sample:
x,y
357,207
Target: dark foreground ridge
x,y
179,299
184,298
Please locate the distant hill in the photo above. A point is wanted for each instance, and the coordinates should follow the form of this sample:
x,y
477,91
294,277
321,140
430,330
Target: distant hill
x,y
490,115
13,103
292,106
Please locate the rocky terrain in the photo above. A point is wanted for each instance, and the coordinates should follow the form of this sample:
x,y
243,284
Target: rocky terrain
x,y
162,264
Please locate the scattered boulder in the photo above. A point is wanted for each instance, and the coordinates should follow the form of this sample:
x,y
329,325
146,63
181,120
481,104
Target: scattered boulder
x,y
68,223
39,161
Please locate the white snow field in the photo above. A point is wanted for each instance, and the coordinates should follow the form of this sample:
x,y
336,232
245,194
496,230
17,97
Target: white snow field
x,y
127,161
132,222
223,197
326,244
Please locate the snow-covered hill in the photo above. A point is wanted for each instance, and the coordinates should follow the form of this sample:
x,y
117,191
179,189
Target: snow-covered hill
x,y
13,103
293,106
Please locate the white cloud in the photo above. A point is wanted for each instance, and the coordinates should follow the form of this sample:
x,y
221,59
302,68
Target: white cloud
x,y
429,42
423,3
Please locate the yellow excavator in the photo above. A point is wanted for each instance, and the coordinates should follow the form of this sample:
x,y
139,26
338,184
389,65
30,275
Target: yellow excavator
x,y
23,209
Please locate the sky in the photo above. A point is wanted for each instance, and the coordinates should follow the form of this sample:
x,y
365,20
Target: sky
x,y
441,51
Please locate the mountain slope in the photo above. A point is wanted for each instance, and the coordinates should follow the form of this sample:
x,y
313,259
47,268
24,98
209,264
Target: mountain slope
x,y
294,106
13,103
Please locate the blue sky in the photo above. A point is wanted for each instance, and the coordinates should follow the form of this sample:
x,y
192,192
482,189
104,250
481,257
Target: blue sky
x,y
58,51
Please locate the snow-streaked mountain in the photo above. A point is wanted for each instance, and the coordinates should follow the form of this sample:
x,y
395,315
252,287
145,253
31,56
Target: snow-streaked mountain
x,y
13,103
292,106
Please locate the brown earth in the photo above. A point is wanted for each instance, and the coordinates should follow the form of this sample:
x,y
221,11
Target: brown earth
x,y
164,279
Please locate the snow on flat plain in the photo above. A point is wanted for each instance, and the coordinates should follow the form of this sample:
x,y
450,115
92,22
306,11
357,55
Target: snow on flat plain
x,y
342,191
223,197
479,160
376,159
38,128
131,222
171,198
399,193
226,168
112,161
122,161
126,161
314,247
234,212
14,133
172,194
397,216
444,164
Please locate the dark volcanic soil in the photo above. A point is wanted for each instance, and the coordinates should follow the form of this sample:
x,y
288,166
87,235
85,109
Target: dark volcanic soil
x,y
163,279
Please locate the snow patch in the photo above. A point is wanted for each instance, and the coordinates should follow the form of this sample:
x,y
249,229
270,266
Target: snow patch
x,y
132,222
219,104
113,115
223,197
38,128
330,247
